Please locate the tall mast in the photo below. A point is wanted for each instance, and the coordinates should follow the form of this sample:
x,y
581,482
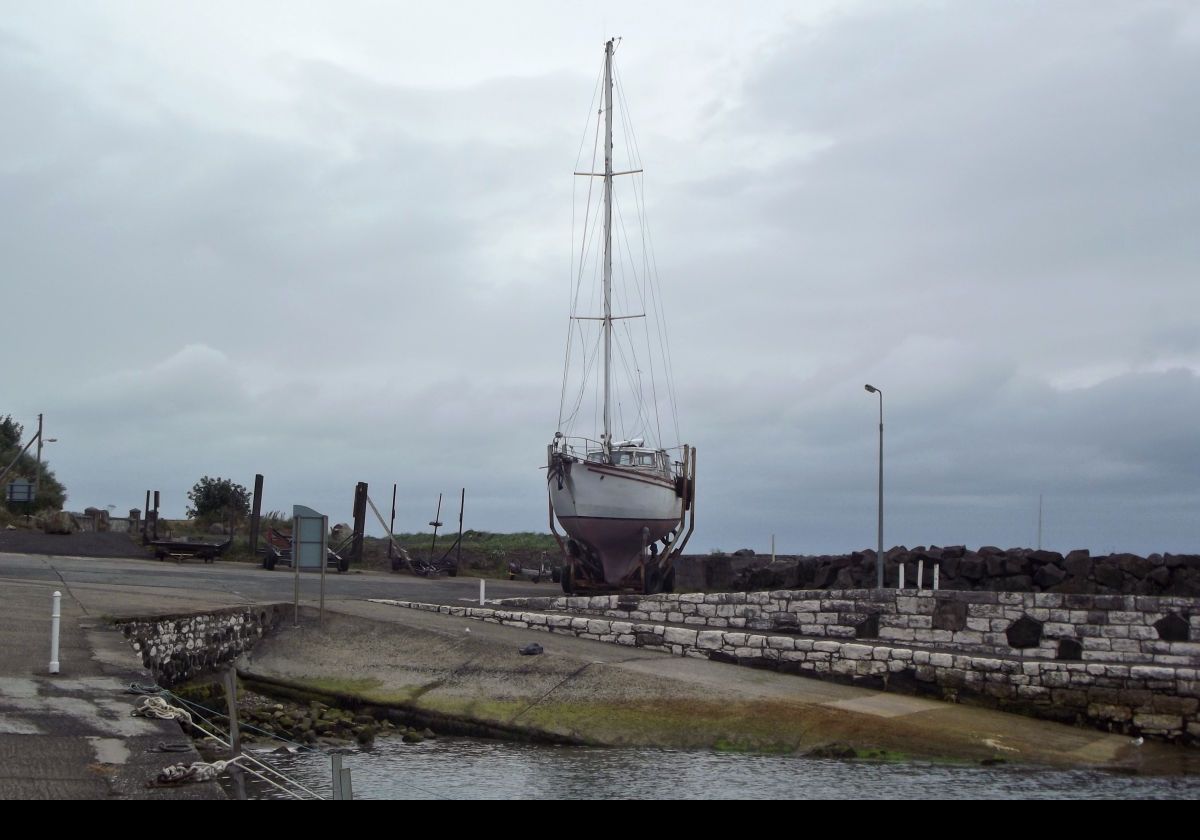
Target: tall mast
x,y
608,176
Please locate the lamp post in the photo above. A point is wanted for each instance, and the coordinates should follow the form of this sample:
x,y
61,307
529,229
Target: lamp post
x,y
37,476
871,389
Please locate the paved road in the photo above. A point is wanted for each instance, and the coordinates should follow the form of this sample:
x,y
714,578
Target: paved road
x,y
236,583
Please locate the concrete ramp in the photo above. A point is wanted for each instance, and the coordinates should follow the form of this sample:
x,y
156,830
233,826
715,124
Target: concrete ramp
x,y
589,692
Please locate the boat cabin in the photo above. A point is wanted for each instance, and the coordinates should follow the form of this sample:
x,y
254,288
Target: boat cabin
x,y
629,456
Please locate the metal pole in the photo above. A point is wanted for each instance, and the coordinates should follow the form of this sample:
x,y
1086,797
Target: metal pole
x,y
436,523
879,576
871,389
608,176
37,477
55,620
920,575
324,562
295,572
336,766
392,524
235,737
482,596
462,501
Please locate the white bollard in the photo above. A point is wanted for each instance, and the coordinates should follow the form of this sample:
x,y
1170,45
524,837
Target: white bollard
x,y
936,568
55,619
901,584
920,575
482,596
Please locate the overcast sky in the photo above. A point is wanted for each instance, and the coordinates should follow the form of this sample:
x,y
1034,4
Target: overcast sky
x,y
332,243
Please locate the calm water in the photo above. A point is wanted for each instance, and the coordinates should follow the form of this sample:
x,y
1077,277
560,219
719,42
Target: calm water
x,y
460,768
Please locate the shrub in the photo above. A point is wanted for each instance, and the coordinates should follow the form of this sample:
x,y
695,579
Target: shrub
x,y
218,499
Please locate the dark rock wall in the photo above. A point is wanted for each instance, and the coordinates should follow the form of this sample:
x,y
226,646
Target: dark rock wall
x,y
988,569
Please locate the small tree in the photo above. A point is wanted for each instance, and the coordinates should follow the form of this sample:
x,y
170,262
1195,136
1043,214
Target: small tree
x,y
218,499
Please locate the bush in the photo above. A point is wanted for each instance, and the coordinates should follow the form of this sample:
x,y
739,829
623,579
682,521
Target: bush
x,y
218,500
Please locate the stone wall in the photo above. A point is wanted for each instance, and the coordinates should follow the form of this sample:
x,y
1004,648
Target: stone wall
x,y
988,568
1124,629
179,647
1120,691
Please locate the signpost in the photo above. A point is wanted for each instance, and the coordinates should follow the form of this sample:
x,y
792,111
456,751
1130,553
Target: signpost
x,y
310,548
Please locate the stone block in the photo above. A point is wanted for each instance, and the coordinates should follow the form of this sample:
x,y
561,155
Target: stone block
x,y
679,636
1158,724
1150,672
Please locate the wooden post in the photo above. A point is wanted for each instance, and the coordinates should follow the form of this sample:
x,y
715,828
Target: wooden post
x,y
360,521
256,513
235,740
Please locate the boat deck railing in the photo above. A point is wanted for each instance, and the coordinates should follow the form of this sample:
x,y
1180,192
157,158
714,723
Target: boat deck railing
x,y
587,449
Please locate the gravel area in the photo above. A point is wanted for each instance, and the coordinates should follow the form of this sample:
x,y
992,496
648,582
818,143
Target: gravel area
x,y
79,544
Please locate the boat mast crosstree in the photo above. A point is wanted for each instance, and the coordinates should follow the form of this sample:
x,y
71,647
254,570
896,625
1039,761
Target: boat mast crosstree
x,y
622,504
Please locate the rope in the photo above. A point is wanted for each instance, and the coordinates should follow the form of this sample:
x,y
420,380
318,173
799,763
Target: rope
x,y
156,707
197,771
260,763
382,778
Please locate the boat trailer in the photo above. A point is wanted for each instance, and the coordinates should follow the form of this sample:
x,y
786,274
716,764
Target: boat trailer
x,y
279,551
180,549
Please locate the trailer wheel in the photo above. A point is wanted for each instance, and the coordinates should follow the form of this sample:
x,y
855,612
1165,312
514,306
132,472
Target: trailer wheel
x,y
650,580
567,578
668,584
269,562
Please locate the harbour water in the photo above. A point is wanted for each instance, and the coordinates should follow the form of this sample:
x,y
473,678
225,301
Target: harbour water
x,y
462,768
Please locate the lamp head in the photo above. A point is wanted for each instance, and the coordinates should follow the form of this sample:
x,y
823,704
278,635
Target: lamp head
x,y
871,389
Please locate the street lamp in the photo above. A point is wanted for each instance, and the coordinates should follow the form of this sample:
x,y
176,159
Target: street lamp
x,y
871,389
37,476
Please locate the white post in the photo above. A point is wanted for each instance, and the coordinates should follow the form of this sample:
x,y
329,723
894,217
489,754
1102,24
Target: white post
x,y
937,567
55,619
900,585
482,596
920,574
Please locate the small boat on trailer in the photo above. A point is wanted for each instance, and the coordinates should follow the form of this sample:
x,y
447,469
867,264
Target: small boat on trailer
x,y
626,508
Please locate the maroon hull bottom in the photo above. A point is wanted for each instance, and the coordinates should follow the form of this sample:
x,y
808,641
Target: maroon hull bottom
x,y
617,542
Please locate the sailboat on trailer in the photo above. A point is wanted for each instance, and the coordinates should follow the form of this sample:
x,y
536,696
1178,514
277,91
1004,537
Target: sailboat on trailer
x,y
622,503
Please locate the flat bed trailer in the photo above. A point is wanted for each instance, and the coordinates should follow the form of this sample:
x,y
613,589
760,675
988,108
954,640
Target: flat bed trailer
x,y
179,549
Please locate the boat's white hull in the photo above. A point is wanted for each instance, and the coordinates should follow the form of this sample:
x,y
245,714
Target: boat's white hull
x,y
615,511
